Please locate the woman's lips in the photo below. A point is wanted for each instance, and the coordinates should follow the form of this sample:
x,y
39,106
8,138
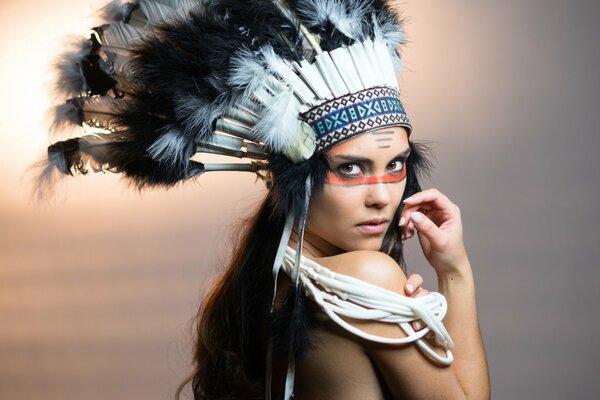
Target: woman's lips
x,y
372,228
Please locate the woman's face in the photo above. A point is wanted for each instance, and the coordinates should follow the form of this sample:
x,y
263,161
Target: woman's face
x,y
362,190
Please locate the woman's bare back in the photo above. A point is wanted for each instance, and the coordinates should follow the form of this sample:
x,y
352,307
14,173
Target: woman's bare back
x,y
337,367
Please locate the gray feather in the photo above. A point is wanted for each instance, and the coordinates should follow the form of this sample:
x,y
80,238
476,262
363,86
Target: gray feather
x,y
65,121
69,80
113,11
156,12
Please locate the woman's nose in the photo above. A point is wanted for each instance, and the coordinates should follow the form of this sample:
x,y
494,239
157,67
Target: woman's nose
x,y
378,195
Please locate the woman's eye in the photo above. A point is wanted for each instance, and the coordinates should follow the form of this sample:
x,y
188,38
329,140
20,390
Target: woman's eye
x,y
349,169
396,166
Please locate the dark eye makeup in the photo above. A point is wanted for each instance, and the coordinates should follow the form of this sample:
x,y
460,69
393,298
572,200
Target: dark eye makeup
x,y
347,170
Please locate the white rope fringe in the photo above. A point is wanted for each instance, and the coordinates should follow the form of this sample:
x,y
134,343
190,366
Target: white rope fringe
x,y
342,295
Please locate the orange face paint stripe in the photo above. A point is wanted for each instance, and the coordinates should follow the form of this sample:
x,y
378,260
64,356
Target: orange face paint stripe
x,y
334,179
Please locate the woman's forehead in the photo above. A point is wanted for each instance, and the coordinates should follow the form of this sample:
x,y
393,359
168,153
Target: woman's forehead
x,y
380,140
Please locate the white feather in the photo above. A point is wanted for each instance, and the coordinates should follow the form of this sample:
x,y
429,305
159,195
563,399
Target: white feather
x,y
330,74
390,33
386,30
275,63
279,122
198,115
247,72
344,63
173,147
278,66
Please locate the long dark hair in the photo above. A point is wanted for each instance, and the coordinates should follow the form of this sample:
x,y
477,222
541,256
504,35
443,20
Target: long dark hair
x,y
232,326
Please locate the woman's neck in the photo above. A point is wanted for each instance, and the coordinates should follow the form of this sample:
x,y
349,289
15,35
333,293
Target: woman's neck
x,y
313,246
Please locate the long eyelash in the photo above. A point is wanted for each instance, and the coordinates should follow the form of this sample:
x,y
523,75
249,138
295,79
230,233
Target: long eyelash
x,y
402,160
337,169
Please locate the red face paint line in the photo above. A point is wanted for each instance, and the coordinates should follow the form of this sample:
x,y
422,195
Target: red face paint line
x,y
334,179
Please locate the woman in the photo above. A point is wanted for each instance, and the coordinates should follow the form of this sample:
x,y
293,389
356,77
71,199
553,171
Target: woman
x,y
341,236
307,91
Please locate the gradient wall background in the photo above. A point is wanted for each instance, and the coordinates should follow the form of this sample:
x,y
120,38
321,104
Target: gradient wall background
x,y
97,293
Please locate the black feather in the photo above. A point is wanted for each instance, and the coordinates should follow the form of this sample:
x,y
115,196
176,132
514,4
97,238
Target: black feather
x,y
262,21
289,181
99,82
115,152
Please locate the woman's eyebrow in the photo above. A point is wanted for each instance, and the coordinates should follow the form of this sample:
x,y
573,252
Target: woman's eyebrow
x,y
348,157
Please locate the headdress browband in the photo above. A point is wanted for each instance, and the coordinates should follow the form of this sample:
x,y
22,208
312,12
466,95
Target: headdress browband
x,y
341,118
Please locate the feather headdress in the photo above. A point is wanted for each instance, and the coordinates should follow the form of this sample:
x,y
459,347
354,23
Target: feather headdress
x,y
162,80
273,82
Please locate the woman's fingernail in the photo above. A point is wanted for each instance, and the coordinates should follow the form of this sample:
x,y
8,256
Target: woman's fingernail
x,y
407,199
410,288
416,217
402,221
418,325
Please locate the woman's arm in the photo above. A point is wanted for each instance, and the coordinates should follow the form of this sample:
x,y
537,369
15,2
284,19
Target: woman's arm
x,y
408,373
439,228
461,321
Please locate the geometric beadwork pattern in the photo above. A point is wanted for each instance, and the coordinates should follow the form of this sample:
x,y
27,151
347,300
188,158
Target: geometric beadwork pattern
x,y
343,117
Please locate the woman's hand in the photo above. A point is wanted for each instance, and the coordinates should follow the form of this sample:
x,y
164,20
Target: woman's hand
x,y
413,289
439,227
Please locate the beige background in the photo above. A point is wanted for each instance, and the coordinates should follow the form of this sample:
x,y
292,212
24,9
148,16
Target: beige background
x,y
97,293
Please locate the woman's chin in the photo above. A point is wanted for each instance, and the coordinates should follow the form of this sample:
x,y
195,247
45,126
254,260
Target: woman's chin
x,y
372,243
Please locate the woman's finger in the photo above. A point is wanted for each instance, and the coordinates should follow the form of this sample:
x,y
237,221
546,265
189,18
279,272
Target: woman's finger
x,y
417,325
421,291
426,227
413,284
433,196
431,202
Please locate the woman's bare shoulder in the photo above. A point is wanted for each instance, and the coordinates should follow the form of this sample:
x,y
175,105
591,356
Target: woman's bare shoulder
x,y
371,266
406,371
